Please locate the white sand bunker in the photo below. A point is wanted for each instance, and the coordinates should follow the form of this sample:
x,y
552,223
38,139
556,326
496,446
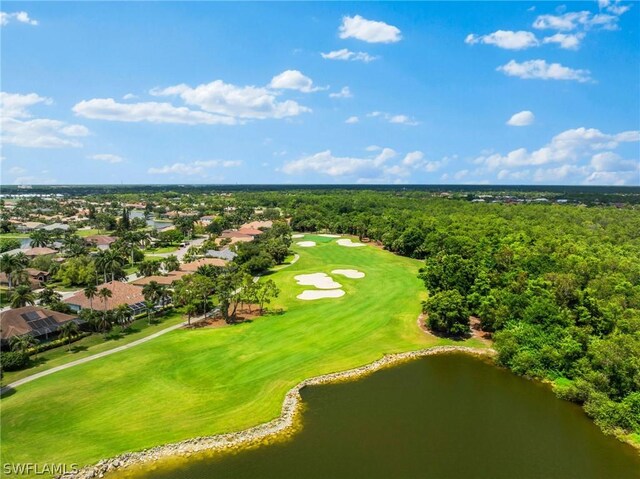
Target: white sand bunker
x,y
330,236
319,280
349,273
310,294
297,235
306,244
349,243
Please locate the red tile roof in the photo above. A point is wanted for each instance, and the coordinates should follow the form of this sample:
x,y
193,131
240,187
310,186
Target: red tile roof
x,y
122,293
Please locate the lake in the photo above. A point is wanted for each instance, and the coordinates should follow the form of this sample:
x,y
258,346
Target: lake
x,y
443,417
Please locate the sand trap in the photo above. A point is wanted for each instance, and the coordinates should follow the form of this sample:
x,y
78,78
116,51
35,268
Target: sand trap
x,y
349,243
298,235
306,244
349,273
309,294
330,236
319,280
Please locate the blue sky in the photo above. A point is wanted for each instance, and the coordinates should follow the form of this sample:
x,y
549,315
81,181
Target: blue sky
x,y
451,92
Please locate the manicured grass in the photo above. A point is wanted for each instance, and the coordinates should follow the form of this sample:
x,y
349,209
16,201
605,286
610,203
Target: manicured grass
x,y
206,381
166,249
94,344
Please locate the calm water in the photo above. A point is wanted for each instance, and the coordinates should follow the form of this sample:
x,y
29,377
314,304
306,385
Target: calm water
x,y
441,417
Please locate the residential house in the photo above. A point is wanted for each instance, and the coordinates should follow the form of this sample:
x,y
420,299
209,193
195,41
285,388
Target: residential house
x,y
121,293
32,320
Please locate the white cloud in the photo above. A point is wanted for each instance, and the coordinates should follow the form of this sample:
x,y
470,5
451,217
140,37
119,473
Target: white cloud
x,y
19,129
582,155
540,69
21,17
129,96
397,119
326,163
199,167
369,30
233,101
106,157
293,80
567,41
584,20
352,119
347,55
345,92
523,118
506,39
153,112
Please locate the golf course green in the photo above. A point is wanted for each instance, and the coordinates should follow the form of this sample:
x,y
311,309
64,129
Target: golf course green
x,y
205,381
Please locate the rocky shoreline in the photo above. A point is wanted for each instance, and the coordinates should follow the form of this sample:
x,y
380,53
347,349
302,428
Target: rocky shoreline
x,y
283,424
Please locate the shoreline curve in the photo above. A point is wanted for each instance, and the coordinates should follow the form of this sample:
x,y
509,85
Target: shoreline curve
x,y
285,422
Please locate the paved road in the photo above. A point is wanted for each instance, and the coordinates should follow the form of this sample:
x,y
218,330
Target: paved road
x,y
182,251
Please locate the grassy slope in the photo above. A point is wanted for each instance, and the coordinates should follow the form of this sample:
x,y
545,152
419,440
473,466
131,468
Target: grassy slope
x,y
206,381
92,345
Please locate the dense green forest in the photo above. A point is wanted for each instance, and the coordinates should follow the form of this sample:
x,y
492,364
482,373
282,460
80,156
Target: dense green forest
x,y
557,284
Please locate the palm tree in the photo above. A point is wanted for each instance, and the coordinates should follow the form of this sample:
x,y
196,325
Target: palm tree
x,y
22,296
13,265
149,305
39,238
105,294
23,343
90,292
109,261
123,314
67,331
191,309
48,296
171,263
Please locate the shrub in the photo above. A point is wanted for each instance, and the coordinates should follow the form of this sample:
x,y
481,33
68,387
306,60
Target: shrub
x,y
13,360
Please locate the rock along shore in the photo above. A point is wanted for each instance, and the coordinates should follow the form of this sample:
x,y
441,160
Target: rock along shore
x,y
285,423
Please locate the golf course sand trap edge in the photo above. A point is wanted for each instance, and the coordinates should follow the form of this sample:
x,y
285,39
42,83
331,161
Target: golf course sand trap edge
x,y
350,244
306,244
326,235
311,294
286,423
349,273
297,235
319,280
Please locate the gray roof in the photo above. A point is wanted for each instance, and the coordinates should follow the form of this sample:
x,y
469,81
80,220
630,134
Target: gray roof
x,y
56,226
225,254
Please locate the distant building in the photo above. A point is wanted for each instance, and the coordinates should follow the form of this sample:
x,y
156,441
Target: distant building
x,y
32,320
121,293
56,226
29,226
163,280
40,251
100,241
256,225
194,265
225,254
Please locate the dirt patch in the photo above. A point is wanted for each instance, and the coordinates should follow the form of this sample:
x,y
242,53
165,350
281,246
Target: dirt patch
x,y
477,331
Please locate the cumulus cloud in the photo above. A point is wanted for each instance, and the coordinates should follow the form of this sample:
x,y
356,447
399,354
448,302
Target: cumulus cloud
x,y
293,80
352,119
380,165
574,20
153,112
106,157
199,167
326,163
393,118
523,118
540,69
587,153
506,39
20,17
18,127
345,92
347,55
245,102
565,40
369,30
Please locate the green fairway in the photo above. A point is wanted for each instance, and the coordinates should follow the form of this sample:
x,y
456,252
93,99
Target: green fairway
x,y
205,381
